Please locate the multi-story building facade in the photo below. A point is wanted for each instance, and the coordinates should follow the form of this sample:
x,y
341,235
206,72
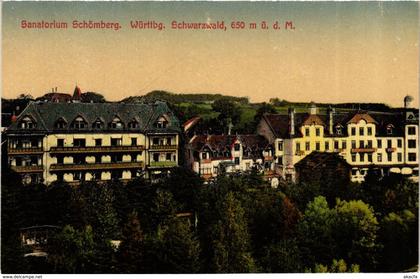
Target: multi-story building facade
x,y
387,141
76,142
209,155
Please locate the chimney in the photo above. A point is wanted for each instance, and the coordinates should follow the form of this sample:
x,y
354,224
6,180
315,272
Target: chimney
x,y
291,112
312,108
331,112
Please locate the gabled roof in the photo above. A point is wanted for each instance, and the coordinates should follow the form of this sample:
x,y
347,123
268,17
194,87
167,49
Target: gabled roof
x,y
46,115
214,142
315,159
361,116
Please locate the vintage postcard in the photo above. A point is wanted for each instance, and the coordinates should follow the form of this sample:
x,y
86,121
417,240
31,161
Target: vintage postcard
x,y
209,137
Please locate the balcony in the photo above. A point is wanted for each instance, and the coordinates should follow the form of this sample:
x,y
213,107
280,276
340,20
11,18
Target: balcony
x,y
163,147
25,169
300,153
363,150
205,161
97,166
97,149
163,164
390,149
29,150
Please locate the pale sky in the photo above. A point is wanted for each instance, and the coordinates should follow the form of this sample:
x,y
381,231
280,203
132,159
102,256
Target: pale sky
x,y
338,52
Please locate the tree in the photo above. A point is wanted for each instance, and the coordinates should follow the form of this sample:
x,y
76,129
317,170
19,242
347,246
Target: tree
x,y
163,209
174,249
230,239
282,257
339,266
315,231
229,112
355,233
399,235
131,250
264,108
92,97
71,251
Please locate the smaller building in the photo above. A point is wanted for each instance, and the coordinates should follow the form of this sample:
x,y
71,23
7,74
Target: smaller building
x,y
323,166
210,155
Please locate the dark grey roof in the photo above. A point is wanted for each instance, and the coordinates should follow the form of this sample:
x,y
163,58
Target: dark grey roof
x,y
46,115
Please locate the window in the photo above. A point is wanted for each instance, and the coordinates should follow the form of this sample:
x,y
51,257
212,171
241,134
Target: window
x,y
362,157
156,157
339,130
155,141
280,146
353,172
389,156
168,141
133,141
168,156
369,144
116,123
298,146
389,143
236,160
237,147
411,130
60,142
161,122
336,144
399,157
361,144
379,143
389,129
344,144
204,155
353,144
116,142
97,124
27,123
116,158
353,131
369,131
379,157
307,132
133,124
77,175
412,157
79,142
307,146
317,146
327,145
98,142
361,131
369,157
318,132
353,157
60,159
280,160
60,124
399,143
412,143
79,123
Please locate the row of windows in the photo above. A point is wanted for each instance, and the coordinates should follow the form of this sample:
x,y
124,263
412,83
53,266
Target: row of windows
x,y
98,142
81,159
80,123
362,131
363,157
362,144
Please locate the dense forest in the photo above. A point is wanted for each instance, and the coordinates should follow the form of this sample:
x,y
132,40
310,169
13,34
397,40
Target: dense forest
x,y
237,224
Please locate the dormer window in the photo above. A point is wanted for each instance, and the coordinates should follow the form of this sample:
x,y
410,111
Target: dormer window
x,y
27,123
339,130
161,122
60,124
389,129
133,124
79,123
116,123
98,124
